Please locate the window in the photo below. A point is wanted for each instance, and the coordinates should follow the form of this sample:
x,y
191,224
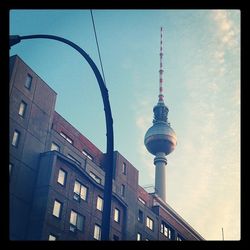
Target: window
x,y
28,82
115,237
22,108
139,237
80,191
141,200
117,215
99,203
61,177
150,223
66,138
76,221
74,159
87,154
15,139
124,168
140,216
10,168
52,237
179,238
123,190
96,178
165,230
57,209
97,232
55,147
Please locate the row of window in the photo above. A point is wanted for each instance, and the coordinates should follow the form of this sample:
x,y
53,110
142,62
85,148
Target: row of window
x,y
149,221
81,192
96,234
139,237
165,229
56,147
23,105
68,139
77,220
62,175
22,111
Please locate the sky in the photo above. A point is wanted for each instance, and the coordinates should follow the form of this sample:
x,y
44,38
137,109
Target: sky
x,y
201,65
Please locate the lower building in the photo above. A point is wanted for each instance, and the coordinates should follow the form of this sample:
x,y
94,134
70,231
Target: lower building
x,y
57,177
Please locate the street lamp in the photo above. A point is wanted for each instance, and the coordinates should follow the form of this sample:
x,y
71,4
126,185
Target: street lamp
x,y
109,126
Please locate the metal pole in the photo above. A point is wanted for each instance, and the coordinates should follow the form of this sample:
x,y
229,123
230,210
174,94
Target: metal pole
x,y
109,127
222,233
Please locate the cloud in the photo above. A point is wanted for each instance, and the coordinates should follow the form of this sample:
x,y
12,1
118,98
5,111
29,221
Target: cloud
x,y
219,56
226,30
143,120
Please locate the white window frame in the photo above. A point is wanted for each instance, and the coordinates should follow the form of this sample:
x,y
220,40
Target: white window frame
x,y
16,138
165,230
55,147
139,218
10,168
99,203
123,190
117,215
124,168
57,209
87,154
95,177
150,223
80,191
28,82
142,201
52,237
22,108
97,232
61,178
139,236
74,221
66,138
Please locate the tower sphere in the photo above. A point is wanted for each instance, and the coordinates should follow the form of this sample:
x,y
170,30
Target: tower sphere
x,y
160,138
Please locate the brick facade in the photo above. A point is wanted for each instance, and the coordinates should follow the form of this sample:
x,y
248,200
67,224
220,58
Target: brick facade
x,y
34,185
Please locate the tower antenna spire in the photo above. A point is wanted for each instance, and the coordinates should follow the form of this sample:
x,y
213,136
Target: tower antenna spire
x,y
160,139
161,69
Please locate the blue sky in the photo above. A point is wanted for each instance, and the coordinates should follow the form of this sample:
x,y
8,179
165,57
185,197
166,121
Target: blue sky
x,y
201,88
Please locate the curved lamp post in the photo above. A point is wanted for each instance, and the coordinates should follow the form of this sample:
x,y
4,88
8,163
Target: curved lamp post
x,y
109,127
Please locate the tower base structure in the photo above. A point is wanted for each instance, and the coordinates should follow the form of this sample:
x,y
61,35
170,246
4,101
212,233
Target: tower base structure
x,y
160,162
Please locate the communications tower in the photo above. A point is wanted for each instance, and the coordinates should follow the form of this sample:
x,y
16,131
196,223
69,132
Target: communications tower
x,y
160,139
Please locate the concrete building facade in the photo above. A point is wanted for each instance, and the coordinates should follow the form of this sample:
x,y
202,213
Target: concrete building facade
x,y
57,177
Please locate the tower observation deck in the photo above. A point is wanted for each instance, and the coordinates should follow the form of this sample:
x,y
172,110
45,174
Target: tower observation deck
x,y
160,139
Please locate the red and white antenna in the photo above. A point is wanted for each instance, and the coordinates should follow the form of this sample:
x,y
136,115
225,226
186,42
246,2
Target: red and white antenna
x,y
161,71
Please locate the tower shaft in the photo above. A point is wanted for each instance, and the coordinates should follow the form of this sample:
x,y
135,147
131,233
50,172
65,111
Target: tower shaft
x,y
160,162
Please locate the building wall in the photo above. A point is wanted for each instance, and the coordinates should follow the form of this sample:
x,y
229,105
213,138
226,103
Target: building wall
x,y
34,183
33,129
48,190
